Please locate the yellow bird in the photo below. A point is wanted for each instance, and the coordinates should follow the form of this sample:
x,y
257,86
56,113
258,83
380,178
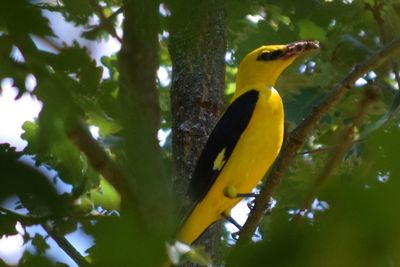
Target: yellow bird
x,y
245,141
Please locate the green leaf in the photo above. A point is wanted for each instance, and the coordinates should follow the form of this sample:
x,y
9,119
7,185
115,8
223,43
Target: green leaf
x,y
96,33
311,31
21,18
76,60
146,250
104,196
299,104
40,244
58,152
77,11
7,225
29,260
33,188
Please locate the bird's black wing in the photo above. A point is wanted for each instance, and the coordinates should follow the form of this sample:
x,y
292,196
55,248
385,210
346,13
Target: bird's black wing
x,y
221,143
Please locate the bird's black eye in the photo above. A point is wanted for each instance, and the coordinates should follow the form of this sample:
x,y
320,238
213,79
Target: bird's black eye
x,y
267,56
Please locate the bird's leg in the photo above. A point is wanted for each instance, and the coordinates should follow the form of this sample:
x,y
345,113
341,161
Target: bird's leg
x,y
227,217
251,204
246,195
230,192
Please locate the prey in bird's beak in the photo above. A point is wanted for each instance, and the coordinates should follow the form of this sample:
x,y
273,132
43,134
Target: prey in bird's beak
x,y
297,48
265,64
284,52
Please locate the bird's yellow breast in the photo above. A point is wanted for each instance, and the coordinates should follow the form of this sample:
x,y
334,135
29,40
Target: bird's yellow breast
x,y
261,141
254,153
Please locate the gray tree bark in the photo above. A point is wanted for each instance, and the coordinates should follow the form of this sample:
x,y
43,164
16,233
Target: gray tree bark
x,y
197,48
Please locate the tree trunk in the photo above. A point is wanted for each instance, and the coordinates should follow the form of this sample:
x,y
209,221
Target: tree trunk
x,y
197,48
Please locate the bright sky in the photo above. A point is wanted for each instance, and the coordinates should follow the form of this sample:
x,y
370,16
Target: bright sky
x,y
13,113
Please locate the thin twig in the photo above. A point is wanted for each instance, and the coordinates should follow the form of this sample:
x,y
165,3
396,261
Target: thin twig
x,y
322,149
116,13
24,219
376,11
299,135
101,161
314,151
66,246
346,139
104,20
62,242
49,42
36,219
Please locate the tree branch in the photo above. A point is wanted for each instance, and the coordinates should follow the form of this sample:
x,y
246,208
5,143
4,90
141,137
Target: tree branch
x,y
299,135
101,161
346,139
104,20
61,241
66,246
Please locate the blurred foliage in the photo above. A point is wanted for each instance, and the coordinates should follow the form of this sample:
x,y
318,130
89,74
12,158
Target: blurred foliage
x,y
359,228
354,221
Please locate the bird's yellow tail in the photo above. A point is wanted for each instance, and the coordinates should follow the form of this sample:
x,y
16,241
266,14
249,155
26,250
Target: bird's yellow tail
x,y
198,221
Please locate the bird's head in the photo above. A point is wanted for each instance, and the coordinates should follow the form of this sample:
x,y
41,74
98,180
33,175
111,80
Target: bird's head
x,y
262,66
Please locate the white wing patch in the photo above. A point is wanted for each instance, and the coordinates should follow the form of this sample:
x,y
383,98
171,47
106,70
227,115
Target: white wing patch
x,y
219,160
